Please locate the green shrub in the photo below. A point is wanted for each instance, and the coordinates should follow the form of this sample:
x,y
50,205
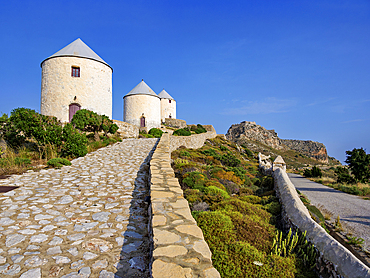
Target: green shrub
x,y
313,173
89,121
223,148
25,123
185,153
182,132
209,152
156,132
21,161
252,199
75,143
274,208
217,228
244,208
213,190
194,180
58,162
193,195
343,175
229,160
198,129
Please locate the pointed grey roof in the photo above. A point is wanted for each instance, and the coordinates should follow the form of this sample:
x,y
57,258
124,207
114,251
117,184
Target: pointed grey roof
x,y
142,89
78,48
164,94
279,160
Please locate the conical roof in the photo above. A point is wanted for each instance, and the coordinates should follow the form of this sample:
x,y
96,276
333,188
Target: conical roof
x,y
77,48
279,160
164,94
142,89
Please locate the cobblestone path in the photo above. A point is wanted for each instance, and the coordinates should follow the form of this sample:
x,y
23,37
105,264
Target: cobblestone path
x,y
85,220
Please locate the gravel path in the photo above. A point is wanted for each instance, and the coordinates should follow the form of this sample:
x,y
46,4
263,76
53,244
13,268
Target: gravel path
x,y
353,211
84,220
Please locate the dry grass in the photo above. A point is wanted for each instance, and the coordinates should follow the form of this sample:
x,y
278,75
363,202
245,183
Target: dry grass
x,y
19,161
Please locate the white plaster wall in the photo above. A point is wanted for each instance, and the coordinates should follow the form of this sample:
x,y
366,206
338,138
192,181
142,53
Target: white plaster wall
x,y
135,105
167,109
93,89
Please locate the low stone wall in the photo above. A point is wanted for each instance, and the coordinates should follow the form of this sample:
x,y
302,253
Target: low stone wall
x,y
194,141
175,123
179,248
126,130
334,258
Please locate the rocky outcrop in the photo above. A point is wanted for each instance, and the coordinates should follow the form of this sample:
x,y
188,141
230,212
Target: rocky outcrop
x,y
309,148
249,132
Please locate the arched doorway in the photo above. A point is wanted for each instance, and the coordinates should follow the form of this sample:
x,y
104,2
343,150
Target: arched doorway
x,y
142,121
73,108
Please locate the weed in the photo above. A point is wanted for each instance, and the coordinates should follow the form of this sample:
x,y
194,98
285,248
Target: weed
x,y
338,225
355,240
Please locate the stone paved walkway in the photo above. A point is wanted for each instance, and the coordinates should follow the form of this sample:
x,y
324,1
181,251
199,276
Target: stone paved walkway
x,y
85,220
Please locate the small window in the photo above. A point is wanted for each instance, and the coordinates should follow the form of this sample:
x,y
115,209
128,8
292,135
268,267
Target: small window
x,y
75,72
169,101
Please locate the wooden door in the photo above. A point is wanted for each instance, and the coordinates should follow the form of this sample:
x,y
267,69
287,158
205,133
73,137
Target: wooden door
x,y
142,122
73,108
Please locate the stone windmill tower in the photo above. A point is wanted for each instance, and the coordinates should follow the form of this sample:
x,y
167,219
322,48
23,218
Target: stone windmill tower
x,y
168,106
142,107
75,78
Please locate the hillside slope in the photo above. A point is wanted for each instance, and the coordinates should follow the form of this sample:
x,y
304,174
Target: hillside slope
x,y
297,153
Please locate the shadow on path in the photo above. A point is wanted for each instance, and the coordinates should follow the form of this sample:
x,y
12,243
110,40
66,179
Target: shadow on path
x,y
135,254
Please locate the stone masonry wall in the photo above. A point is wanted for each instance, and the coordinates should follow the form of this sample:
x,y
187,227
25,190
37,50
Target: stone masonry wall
x,y
179,248
127,130
194,141
175,122
333,256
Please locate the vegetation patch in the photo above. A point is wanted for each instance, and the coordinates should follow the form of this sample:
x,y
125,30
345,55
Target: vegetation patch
x,y
32,138
236,208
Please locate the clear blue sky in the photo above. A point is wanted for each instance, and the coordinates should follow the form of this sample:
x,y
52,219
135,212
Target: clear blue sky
x,y
299,67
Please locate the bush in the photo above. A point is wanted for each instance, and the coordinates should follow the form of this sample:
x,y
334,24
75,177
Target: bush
x,y
26,123
193,195
244,208
215,191
198,129
194,180
75,143
58,162
89,121
21,161
313,173
182,132
156,132
229,160
217,228
343,175
185,153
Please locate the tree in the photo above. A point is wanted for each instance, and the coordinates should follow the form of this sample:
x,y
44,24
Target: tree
x,y
359,162
89,121
315,172
26,123
343,175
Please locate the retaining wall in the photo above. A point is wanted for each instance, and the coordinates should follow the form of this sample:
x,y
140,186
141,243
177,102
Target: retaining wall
x,y
334,259
126,130
179,248
194,141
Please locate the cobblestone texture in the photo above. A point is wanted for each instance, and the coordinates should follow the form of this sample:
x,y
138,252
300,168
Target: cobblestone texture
x,y
85,220
179,248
